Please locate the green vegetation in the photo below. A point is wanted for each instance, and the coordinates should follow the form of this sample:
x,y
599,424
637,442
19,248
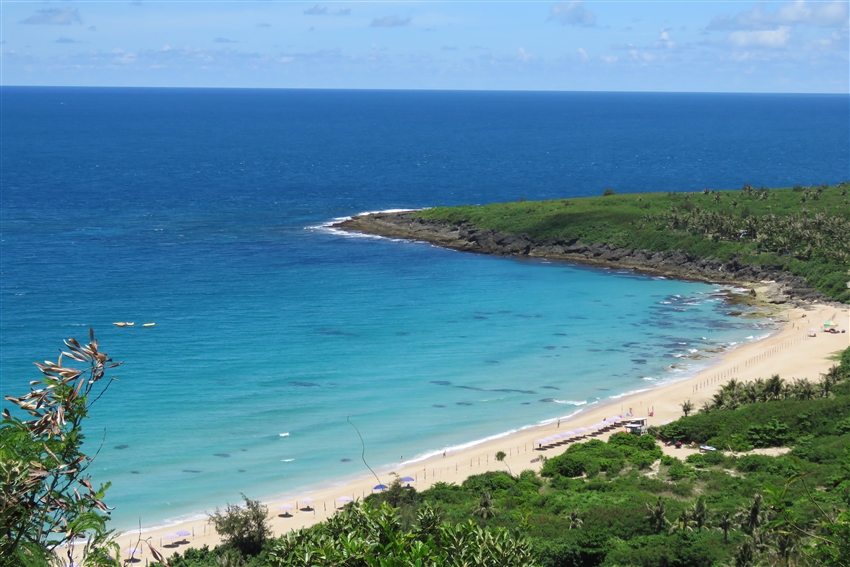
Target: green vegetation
x,y
620,502
244,528
598,504
49,504
801,230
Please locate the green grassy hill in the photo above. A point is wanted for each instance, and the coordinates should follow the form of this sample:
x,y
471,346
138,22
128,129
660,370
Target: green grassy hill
x,y
801,230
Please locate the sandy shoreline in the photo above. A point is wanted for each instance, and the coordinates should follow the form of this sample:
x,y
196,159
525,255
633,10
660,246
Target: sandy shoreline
x,y
789,353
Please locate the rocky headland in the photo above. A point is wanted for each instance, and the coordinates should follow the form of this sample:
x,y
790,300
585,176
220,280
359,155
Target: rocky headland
x,y
771,286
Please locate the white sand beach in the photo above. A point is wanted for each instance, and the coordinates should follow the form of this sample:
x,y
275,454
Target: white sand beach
x,y
789,352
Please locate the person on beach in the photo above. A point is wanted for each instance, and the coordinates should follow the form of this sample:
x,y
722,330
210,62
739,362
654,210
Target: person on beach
x,y
559,424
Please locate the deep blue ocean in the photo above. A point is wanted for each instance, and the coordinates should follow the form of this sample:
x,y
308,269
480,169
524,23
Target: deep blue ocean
x,y
203,211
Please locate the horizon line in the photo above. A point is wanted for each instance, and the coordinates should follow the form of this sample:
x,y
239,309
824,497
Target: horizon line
x,y
403,89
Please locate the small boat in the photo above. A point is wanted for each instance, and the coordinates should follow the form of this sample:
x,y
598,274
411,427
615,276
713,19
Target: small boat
x,y
120,324
148,324
129,323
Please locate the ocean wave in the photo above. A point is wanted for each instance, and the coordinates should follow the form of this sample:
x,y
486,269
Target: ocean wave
x,y
328,226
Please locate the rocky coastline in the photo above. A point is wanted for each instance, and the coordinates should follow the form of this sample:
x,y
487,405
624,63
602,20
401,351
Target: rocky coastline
x,y
771,286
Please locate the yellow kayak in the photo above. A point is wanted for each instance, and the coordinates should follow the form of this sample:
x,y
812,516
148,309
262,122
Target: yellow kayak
x,y
148,324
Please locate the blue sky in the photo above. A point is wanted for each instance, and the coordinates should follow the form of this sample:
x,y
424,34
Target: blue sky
x,y
796,46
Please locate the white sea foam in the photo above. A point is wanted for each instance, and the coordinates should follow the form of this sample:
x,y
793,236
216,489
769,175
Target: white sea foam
x,y
328,227
286,460
284,434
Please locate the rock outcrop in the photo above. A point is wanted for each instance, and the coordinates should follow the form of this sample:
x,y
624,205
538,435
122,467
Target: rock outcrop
x,y
773,284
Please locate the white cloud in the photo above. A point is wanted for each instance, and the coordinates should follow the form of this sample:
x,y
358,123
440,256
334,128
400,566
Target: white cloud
x,y
55,17
324,11
664,41
797,12
389,22
761,38
524,56
582,54
609,58
572,14
224,40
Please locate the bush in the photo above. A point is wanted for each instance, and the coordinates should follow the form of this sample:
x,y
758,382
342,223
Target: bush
x,y
669,461
772,434
564,465
608,192
696,460
489,482
680,470
243,528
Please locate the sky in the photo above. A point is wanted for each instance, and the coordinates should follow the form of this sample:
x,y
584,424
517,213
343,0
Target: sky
x,y
799,46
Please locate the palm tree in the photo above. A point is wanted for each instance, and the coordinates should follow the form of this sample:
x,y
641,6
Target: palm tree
x,y
683,522
785,545
500,456
773,387
754,516
724,523
699,513
657,515
485,508
803,389
575,521
746,555
687,407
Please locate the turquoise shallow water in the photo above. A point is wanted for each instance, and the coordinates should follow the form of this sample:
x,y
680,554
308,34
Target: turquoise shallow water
x,y
202,211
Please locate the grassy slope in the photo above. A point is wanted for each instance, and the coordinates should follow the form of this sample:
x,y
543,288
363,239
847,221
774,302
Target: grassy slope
x,y
645,221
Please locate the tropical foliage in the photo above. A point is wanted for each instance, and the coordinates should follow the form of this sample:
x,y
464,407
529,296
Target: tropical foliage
x,y
802,230
49,503
615,503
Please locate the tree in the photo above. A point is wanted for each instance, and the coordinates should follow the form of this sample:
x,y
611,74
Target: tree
x,y
724,523
485,507
683,522
49,502
575,521
500,456
687,407
657,515
361,535
753,516
699,513
245,528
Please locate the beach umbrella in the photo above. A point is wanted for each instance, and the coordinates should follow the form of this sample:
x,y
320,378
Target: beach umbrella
x,y
540,442
184,533
344,499
133,551
285,507
380,487
581,430
307,500
408,479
